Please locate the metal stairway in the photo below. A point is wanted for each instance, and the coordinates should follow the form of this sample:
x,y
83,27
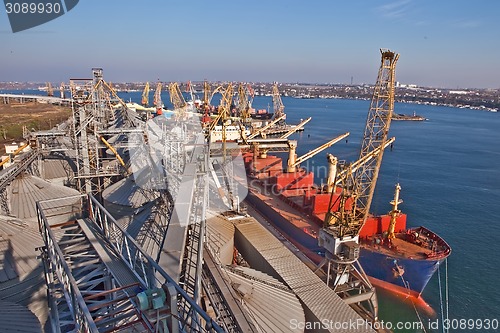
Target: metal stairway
x,y
95,271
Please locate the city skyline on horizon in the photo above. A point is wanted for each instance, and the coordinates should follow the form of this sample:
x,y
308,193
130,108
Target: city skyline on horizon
x,y
56,84
279,41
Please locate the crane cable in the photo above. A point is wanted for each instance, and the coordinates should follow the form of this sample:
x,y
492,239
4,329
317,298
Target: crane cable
x,y
446,287
407,286
443,317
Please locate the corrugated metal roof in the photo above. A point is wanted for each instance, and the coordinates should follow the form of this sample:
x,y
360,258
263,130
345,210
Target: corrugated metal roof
x,y
220,238
321,300
23,281
56,168
272,305
26,190
17,241
17,318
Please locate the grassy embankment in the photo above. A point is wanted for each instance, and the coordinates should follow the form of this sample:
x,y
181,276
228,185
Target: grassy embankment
x,y
35,116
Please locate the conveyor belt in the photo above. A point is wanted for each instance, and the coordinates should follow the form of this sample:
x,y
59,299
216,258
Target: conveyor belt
x,y
265,253
120,271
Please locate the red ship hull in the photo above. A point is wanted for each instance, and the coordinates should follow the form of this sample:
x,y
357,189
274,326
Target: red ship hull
x,y
297,208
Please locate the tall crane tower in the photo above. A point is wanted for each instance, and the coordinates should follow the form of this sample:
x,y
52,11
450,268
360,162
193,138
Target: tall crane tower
x,y
278,107
243,102
157,101
376,131
145,95
50,90
61,90
340,233
176,97
206,95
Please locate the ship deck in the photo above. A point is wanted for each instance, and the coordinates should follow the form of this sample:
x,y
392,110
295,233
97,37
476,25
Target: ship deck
x,y
292,214
401,248
422,248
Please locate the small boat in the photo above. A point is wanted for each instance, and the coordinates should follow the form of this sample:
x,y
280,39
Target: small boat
x,y
413,117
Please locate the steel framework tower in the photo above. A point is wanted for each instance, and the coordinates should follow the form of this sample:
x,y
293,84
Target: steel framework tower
x,y
377,128
92,112
340,234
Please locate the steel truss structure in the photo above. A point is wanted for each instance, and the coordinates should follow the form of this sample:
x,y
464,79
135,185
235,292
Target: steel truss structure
x,y
96,275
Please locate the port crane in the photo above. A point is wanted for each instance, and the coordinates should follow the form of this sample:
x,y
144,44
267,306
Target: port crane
x,y
262,152
340,233
295,128
222,171
177,100
243,103
50,90
157,101
278,107
206,95
190,91
219,89
262,129
176,97
294,161
61,90
145,95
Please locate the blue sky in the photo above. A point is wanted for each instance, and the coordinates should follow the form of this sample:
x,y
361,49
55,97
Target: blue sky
x,y
442,43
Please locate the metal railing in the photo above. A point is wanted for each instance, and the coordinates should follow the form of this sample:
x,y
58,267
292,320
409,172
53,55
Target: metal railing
x,y
188,314
57,264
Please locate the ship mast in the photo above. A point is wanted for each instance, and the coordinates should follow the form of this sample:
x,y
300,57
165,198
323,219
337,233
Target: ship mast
x,y
394,212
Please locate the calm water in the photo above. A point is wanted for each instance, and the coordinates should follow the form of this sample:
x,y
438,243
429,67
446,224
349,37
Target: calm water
x,y
448,170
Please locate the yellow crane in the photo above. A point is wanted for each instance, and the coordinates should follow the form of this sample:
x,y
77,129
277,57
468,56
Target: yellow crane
x,y
278,107
262,129
50,90
145,95
157,101
223,110
206,96
365,171
243,108
176,96
190,91
342,224
219,89
16,152
295,128
294,161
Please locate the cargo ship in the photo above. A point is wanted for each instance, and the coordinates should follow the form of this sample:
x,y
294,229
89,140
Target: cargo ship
x,y
403,262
